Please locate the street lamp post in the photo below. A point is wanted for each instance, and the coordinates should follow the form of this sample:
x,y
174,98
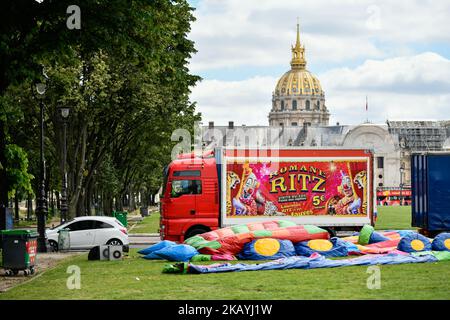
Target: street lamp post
x,y
402,169
41,208
64,112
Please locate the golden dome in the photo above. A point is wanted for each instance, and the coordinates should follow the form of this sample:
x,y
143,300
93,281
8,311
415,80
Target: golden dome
x,y
298,80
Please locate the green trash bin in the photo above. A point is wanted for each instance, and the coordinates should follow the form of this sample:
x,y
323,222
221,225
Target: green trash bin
x,y
122,217
19,251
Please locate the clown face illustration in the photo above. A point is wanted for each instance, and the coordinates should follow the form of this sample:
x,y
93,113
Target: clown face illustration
x,y
346,185
249,187
350,203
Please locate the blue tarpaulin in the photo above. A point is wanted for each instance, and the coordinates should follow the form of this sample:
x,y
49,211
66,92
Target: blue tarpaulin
x,y
313,262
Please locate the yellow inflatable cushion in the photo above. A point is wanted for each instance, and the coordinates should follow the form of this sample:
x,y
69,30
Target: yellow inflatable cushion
x,y
267,246
447,243
320,244
417,245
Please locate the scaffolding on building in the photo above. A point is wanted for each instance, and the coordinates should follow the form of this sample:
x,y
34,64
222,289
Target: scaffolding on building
x,y
419,135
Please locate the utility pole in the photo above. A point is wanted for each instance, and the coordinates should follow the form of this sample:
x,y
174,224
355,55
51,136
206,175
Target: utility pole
x,y
41,208
3,177
64,113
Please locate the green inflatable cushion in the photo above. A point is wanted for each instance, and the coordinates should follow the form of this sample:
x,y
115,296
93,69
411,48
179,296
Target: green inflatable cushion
x,y
364,234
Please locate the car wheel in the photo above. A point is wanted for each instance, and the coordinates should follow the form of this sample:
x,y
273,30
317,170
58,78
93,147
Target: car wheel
x,y
53,245
114,242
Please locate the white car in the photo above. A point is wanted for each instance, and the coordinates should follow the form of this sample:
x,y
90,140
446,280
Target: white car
x,y
90,231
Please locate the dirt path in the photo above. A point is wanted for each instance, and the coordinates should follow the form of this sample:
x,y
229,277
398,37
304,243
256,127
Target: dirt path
x,y
45,261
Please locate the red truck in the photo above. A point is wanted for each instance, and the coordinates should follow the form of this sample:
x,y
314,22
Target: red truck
x,y
330,188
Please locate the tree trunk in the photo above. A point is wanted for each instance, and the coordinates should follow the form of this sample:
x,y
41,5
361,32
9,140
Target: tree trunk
x,y
89,193
107,204
132,202
74,204
58,200
3,178
81,209
16,207
29,207
152,199
52,203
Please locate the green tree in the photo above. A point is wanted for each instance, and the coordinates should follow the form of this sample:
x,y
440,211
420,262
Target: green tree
x,y
19,179
125,76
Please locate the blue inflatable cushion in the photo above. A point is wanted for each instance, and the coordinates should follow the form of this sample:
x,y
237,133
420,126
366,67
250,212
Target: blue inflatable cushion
x,y
156,247
339,249
441,242
178,252
414,242
267,249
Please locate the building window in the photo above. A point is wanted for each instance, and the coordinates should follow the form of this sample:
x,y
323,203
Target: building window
x,y
294,124
318,105
380,162
308,105
281,124
294,105
282,105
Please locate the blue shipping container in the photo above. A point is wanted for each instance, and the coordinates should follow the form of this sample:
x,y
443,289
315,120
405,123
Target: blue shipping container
x,y
430,183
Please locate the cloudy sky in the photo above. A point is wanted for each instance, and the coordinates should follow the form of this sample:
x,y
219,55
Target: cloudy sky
x,y
395,52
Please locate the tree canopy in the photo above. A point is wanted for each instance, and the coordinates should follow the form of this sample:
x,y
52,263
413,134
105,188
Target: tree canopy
x,y
125,77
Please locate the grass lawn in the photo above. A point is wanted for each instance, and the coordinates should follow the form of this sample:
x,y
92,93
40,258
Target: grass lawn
x,y
136,278
393,217
149,224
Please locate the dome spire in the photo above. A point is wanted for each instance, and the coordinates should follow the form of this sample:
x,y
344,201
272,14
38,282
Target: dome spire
x,y
298,52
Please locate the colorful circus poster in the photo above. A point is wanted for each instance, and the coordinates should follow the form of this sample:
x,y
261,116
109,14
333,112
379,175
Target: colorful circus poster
x,y
297,188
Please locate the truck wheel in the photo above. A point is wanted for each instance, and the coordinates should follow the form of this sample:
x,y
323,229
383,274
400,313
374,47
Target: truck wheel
x,y
194,231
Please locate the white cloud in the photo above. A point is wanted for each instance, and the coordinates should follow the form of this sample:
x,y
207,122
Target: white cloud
x,y
410,87
237,33
244,102
423,73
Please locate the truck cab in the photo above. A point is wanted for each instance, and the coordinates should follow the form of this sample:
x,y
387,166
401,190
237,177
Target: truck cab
x,y
190,200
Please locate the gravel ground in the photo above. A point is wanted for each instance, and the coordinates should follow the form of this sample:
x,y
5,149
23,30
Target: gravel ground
x,y
45,261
